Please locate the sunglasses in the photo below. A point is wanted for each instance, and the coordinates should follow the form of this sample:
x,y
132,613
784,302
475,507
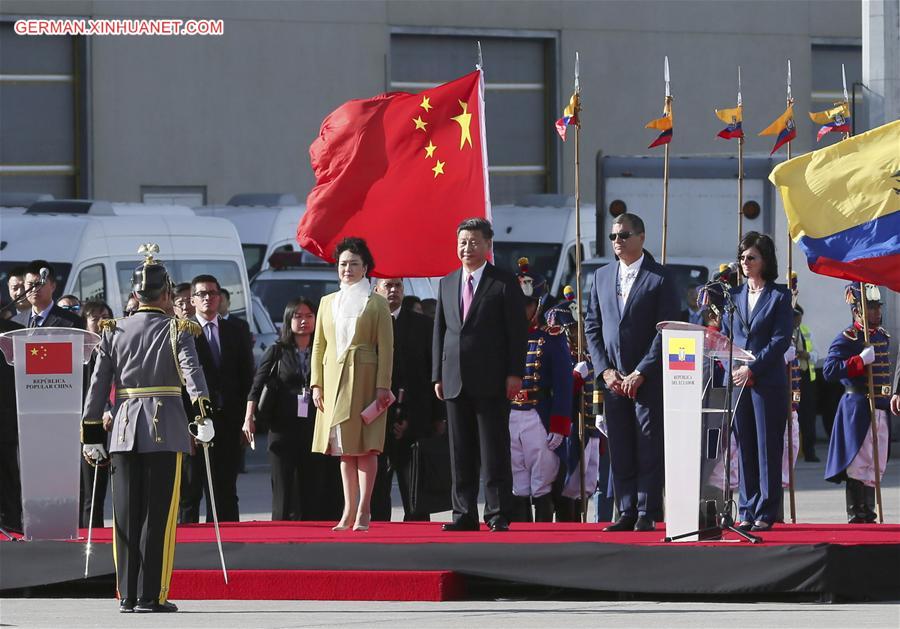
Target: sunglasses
x,y
75,308
620,236
748,258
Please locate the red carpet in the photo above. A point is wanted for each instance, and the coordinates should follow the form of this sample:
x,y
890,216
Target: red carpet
x,y
317,585
261,532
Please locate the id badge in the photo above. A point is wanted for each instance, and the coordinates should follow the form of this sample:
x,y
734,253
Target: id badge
x,y
303,400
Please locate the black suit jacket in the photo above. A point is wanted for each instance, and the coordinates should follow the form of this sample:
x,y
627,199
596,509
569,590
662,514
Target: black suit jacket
x,y
478,354
229,384
9,427
412,373
56,318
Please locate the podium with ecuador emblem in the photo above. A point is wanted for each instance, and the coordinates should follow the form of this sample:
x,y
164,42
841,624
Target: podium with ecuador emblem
x,y
49,371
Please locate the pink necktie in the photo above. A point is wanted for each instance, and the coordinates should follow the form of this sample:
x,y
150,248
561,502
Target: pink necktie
x,y
468,295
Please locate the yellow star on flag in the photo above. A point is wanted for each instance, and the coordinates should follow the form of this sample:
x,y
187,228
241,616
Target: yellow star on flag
x,y
34,351
429,150
438,169
426,104
464,120
420,124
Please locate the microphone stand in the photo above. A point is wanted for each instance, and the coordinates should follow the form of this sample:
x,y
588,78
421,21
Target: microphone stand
x,y
24,295
724,517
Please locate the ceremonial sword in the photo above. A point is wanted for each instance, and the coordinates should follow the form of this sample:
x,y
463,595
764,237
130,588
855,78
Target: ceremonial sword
x,y
212,504
87,548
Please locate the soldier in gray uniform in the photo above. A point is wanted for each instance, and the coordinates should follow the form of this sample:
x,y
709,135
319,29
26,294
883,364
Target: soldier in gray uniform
x,y
146,358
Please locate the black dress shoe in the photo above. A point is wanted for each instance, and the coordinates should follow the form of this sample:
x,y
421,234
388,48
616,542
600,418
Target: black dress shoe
x,y
644,524
761,525
460,525
744,525
499,524
126,606
152,607
624,523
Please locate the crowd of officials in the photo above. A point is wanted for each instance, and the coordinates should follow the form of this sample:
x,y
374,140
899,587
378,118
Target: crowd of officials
x,y
490,368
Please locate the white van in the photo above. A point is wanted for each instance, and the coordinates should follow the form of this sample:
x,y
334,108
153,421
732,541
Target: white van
x,y
94,254
265,223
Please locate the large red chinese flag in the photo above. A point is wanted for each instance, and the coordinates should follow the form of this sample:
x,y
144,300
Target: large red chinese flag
x,y
400,170
48,358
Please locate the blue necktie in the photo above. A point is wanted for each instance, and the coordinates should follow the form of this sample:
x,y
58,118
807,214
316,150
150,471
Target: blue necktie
x,y
213,345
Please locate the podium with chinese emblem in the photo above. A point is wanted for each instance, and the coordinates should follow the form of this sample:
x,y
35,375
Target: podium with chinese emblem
x,y
696,424
49,369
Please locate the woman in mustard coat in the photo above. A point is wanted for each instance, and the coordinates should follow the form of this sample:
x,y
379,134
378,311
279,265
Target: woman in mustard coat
x,y
352,359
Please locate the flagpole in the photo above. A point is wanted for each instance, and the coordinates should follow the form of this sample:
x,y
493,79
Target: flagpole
x,y
790,365
740,173
665,212
873,420
578,296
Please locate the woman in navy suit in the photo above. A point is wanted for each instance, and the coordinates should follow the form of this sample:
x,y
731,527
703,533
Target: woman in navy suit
x,y
762,325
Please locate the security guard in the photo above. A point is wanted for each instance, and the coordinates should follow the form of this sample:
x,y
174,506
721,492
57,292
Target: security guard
x,y
146,358
850,454
540,415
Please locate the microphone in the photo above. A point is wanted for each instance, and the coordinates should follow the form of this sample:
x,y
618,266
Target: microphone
x,y
44,273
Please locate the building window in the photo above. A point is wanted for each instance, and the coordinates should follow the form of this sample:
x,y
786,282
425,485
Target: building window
x,y
519,100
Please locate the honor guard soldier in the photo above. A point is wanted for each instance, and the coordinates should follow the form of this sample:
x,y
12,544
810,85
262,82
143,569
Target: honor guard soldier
x,y
563,318
540,415
850,453
145,359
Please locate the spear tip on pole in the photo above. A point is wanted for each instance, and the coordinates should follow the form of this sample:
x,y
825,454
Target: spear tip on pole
x,y
480,64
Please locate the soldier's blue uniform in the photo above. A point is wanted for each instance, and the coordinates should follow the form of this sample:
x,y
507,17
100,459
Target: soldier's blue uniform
x,y
850,442
542,409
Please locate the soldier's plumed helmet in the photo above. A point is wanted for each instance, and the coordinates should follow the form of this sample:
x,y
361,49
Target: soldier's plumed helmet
x,y
533,286
854,298
563,313
150,278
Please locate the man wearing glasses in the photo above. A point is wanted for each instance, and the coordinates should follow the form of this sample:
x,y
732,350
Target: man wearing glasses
x,y
226,356
627,300
43,312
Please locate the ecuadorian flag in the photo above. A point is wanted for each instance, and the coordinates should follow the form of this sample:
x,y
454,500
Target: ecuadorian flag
x,y
570,116
664,124
682,354
734,118
836,120
843,206
783,127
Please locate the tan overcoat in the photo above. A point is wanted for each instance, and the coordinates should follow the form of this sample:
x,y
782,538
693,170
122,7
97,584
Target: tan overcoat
x,y
348,382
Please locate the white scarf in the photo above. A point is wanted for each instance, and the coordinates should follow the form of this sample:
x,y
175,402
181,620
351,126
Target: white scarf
x,y
346,309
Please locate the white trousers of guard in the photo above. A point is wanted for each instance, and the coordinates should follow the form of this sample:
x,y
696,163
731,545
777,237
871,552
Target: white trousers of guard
x,y
862,467
534,465
572,488
795,440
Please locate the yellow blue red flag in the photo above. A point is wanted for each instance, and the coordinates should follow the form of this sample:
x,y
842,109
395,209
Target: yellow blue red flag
x,y
734,119
843,206
570,116
834,120
664,124
783,127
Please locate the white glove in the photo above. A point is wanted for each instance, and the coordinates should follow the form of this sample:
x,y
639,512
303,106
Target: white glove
x,y
554,440
868,355
790,355
96,452
204,432
582,370
600,424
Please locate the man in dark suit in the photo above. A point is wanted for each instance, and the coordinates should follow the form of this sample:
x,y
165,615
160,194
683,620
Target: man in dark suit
x,y
479,349
43,312
627,300
10,483
413,415
226,357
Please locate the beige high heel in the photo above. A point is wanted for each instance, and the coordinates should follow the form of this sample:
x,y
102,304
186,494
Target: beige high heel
x,y
344,524
362,522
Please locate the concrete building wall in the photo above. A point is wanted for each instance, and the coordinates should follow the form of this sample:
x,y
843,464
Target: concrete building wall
x,y
237,113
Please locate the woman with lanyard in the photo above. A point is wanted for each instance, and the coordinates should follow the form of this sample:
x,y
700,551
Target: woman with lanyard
x,y
304,484
763,324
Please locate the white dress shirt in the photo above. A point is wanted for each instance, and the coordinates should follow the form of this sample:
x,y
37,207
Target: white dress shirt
x,y
210,328
627,273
